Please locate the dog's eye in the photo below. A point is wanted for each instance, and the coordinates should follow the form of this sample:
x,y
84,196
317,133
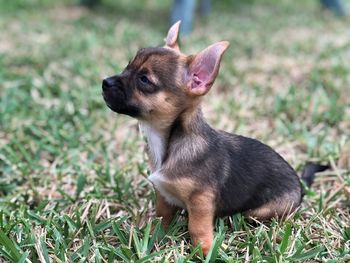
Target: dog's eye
x,y
145,85
145,80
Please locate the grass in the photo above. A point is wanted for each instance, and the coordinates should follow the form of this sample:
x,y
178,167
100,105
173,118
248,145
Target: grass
x,y
73,184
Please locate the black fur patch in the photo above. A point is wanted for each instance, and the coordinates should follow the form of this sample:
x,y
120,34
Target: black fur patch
x,y
309,171
244,172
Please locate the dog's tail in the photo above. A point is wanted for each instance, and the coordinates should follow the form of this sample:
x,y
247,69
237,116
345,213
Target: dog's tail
x,y
309,171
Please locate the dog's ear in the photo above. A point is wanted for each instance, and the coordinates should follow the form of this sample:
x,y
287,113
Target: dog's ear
x,y
173,34
204,67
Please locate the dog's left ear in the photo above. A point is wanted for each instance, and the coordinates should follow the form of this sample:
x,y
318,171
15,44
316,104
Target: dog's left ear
x,y
204,67
173,34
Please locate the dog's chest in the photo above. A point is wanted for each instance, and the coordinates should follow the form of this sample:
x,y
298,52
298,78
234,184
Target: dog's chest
x,y
156,145
165,188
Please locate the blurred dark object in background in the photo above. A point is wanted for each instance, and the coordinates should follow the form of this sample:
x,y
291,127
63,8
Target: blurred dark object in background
x,y
336,6
90,3
184,10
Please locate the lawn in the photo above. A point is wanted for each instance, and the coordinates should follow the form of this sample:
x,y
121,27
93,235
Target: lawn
x,y
73,184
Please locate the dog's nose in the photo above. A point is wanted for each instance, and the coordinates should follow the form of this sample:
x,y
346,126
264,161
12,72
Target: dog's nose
x,y
110,82
106,83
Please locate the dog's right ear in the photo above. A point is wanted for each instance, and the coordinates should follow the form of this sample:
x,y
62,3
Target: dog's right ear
x,y
173,34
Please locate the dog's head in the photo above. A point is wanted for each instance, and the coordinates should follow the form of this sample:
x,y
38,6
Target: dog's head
x,y
160,83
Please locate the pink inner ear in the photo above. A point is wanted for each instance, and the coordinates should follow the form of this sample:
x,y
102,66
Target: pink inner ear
x,y
205,66
196,82
203,69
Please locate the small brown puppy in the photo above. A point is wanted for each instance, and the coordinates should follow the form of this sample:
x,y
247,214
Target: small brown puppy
x,y
205,171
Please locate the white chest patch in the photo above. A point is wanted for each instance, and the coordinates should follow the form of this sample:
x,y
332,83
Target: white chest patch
x,y
156,143
162,185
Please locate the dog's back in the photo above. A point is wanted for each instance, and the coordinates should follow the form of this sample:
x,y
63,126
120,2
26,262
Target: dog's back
x,y
254,175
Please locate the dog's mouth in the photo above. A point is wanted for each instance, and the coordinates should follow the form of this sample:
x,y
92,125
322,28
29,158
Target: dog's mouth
x,y
109,103
105,98
119,106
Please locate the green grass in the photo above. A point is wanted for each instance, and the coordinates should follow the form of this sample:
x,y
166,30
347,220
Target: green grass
x,y
73,184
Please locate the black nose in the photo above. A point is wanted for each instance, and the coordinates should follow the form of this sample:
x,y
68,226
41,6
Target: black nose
x,y
110,82
106,83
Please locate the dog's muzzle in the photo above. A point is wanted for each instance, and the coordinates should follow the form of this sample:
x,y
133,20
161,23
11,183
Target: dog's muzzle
x,y
116,97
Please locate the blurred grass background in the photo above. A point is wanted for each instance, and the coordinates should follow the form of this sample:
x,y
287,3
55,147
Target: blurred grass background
x,y
73,182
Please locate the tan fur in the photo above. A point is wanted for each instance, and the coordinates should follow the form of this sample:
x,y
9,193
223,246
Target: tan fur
x,y
161,108
280,208
149,66
198,202
181,188
201,212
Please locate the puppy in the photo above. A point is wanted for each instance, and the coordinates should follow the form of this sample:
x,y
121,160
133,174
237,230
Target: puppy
x,y
206,171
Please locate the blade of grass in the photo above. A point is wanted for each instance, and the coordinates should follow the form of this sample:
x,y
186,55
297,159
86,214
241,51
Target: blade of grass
x,y
286,236
44,250
310,254
10,246
23,257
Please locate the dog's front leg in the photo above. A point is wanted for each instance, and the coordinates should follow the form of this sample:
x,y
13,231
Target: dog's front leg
x,y
200,224
164,210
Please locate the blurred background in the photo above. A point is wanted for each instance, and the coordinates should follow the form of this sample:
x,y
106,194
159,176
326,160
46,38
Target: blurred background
x,y
284,80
